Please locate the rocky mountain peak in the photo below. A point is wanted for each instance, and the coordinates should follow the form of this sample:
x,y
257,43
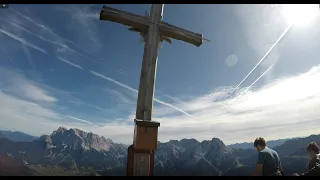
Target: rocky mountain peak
x,y
218,142
188,142
61,129
214,143
77,139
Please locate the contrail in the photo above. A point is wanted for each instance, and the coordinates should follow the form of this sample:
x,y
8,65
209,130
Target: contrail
x,y
56,43
170,97
239,96
94,73
50,41
81,120
51,32
264,57
136,91
65,46
21,40
70,63
259,78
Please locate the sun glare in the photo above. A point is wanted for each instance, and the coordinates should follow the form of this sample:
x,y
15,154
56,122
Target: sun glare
x,y
300,14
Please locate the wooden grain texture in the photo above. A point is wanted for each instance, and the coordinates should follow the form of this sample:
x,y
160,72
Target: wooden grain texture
x,y
141,24
147,78
141,165
123,17
177,33
154,30
130,162
146,137
149,66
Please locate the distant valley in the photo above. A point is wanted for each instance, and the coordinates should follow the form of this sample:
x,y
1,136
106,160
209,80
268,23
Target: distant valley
x,y
68,152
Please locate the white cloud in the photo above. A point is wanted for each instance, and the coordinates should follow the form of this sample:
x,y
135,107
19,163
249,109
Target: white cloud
x,y
281,109
276,110
84,16
21,111
33,92
284,108
32,118
17,114
16,83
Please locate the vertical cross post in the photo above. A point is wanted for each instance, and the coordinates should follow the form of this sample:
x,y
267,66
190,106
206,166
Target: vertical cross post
x,y
145,141
149,65
145,96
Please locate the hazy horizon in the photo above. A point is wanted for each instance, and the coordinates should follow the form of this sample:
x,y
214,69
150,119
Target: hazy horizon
x,y
163,141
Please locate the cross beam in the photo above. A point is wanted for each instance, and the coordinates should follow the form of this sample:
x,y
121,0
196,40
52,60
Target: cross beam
x,y
141,23
153,26
154,31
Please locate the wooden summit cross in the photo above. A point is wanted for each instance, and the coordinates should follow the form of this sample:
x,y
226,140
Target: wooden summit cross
x,y
154,31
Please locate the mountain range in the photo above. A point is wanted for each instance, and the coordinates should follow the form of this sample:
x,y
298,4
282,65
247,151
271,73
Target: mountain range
x,y
249,145
75,152
18,136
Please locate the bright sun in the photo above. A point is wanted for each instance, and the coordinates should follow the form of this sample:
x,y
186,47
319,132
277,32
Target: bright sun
x,y
300,14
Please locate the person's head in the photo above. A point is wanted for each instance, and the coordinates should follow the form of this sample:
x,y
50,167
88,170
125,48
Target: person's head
x,y
259,144
312,150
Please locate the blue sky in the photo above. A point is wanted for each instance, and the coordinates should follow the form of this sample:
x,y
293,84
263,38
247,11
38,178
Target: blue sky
x,y
61,66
